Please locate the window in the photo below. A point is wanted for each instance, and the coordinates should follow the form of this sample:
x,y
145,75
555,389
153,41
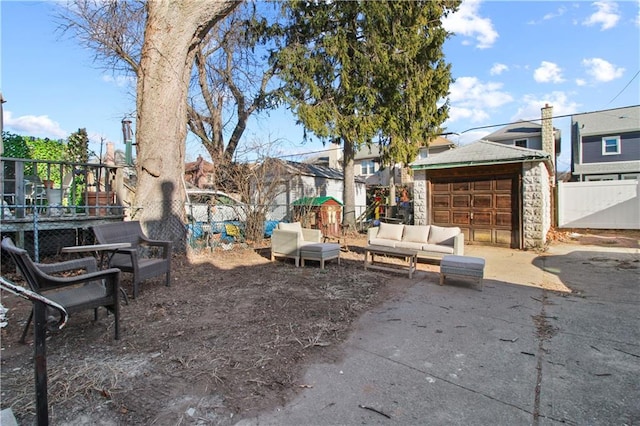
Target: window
x,y
423,153
611,145
522,143
599,178
368,167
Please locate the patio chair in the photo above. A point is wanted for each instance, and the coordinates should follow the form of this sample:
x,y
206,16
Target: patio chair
x,y
287,239
89,290
34,191
136,260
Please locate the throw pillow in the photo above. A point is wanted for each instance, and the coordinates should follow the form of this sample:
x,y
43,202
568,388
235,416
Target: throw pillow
x,y
416,234
442,235
390,231
295,226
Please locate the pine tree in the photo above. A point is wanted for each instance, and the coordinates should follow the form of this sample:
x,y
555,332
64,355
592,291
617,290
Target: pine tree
x,y
367,71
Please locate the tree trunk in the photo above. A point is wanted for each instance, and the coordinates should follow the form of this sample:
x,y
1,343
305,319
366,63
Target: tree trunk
x,y
173,31
349,189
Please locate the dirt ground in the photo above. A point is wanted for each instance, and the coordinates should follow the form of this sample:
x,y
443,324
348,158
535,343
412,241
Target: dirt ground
x,y
231,337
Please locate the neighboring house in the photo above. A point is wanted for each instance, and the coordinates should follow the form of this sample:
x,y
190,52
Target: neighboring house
x,y
605,145
528,134
368,167
199,173
313,180
497,194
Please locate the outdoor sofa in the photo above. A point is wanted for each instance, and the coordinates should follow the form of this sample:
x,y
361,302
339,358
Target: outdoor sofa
x,y
429,241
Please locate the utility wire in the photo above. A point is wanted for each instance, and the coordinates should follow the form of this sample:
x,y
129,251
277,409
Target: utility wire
x,y
624,88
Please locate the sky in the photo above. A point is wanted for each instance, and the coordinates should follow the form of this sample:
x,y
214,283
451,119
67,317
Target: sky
x,y
508,59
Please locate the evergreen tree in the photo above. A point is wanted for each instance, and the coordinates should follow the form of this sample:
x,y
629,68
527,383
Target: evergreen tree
x,y
364,71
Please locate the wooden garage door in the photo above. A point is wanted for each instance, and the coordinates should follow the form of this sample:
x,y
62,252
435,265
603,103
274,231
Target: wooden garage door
x,y
485,208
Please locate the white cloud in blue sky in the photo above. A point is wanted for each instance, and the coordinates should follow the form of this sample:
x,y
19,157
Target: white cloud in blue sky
x,y
606,15
601,70
548,72
41,126
467,22
120,80
471,99
498,69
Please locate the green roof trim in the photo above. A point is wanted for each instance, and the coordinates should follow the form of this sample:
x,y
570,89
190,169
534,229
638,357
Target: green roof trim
x,y
313,201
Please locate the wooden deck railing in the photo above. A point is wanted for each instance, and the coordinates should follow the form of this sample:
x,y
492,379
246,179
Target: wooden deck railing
x,y
56,189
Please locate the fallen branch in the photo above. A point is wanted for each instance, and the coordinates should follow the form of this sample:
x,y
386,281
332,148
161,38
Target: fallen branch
x,y
628,353
374,410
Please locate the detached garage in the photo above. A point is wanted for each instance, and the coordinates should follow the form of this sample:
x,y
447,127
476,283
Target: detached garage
x,y
497,194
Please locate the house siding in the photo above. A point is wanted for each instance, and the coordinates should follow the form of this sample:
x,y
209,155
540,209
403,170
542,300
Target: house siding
x,y
629,148
536,204
309,186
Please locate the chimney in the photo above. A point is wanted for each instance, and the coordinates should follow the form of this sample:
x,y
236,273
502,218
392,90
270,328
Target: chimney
x,y
548,140
335,155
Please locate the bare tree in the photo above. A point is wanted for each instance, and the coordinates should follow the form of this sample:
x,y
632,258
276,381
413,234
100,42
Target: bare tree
x,y
258,179
231,81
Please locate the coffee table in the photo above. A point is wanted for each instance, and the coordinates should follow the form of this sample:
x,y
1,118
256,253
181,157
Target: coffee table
x,y
408,255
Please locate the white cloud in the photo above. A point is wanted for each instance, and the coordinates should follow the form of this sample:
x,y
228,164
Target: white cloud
x,y
476,115
531,105
581,82
472,99
466,21
498,69
601,70
549,16
40,126
548,72
561,11
119,80
606,16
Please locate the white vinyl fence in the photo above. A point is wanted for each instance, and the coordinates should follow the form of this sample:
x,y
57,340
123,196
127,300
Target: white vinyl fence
x,y
599,204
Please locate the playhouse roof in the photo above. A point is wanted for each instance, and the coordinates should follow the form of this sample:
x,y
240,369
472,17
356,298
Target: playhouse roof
x,y
314,201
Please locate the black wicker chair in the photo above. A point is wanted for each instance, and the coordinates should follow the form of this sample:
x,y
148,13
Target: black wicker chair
x,y
89,290
141,263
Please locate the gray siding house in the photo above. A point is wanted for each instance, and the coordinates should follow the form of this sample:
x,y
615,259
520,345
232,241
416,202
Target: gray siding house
x,y
528,134
605,145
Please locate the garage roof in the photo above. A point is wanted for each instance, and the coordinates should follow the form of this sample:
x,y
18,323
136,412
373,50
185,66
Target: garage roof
x,y
481,153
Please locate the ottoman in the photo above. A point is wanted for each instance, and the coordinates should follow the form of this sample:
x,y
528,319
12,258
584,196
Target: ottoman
x,y
320,252
462,267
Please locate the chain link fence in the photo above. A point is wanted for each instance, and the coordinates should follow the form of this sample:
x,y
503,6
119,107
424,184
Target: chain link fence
x,y
44,231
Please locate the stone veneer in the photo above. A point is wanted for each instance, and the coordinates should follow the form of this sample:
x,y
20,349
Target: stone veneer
x,y
536,204
420,197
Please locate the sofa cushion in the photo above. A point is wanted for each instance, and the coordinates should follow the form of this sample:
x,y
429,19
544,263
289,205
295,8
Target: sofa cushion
x,y
442,235
409,245
416,234
382,242
390,231
437,248
295,226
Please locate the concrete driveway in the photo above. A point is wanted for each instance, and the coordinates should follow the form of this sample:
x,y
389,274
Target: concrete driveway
x,y
520,352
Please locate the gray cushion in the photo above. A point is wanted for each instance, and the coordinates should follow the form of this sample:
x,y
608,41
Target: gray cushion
x,y
463,262
320,247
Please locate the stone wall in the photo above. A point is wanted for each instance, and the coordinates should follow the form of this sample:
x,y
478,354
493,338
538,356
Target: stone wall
x,y
536,204
420,198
